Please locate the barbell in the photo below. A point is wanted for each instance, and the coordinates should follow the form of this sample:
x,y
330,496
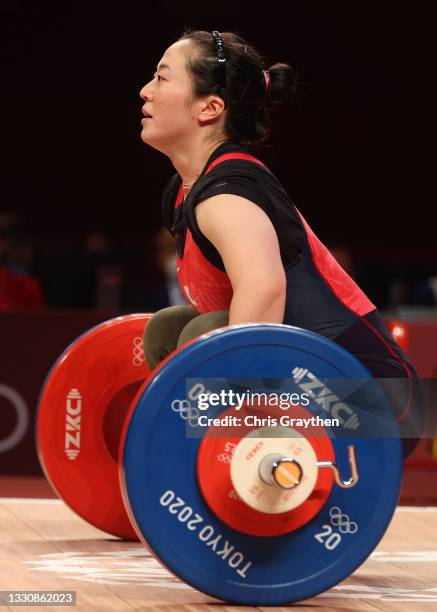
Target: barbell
x,y
257,504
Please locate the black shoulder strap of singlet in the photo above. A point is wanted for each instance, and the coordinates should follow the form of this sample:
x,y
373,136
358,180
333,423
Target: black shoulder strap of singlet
x,y
236,155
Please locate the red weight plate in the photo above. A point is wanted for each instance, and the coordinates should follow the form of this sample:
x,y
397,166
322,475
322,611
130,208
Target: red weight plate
x,y
213,473
82,406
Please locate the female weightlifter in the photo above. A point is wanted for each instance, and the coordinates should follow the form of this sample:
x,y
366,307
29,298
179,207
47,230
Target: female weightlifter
x,y
244,251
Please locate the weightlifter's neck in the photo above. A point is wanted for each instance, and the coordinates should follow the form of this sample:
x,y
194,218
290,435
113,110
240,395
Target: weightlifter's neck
x,y
190,161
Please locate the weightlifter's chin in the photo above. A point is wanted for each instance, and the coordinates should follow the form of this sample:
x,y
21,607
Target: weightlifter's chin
x,y
146,136
155,146
159,144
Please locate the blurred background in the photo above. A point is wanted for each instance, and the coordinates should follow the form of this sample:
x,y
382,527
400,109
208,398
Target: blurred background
x,y
80,201
81,236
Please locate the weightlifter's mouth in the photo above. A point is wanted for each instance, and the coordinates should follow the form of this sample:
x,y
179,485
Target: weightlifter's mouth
x,y
146,115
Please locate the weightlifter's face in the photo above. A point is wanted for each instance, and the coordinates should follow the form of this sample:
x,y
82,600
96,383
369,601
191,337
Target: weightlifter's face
x,y
168,98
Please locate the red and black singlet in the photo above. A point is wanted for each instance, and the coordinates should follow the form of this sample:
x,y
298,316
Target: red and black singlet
x,y
320,297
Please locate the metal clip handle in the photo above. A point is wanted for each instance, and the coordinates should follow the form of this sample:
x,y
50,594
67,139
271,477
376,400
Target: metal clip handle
x,y
343,484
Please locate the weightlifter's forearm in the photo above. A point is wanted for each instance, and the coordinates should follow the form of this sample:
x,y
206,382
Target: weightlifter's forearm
x,y
256,306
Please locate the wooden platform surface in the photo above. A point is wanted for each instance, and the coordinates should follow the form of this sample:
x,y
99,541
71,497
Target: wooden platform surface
x,y
418,488
45,546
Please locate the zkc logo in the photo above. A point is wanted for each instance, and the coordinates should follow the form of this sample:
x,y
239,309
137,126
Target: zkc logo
x,y
72,424
323,396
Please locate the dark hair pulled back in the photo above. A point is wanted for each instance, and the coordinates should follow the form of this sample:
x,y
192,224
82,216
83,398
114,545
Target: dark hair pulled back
x,y
249,100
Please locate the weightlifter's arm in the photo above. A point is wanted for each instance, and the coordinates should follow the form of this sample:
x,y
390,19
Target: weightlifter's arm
x,y
247,242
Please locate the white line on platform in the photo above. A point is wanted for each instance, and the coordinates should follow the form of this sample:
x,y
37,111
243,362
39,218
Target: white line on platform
x,y
416,509
29,500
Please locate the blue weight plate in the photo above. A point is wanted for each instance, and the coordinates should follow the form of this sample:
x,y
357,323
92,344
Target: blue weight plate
x,y
158,475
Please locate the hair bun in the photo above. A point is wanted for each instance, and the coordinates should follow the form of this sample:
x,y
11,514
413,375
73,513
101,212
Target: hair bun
x,y
283,82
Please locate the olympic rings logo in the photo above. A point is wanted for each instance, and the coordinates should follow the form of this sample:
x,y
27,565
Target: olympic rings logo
x,y
342,521
186,411
138,352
